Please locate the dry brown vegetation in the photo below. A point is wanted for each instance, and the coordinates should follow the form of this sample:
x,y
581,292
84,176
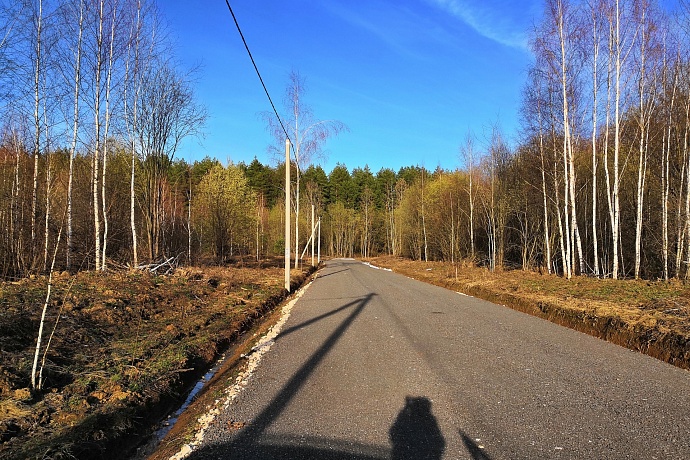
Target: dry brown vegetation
x,y
126,345
651,317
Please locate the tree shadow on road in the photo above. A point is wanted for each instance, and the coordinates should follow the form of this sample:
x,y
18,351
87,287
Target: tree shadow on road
x,y
473,448
320,317
247,443
332,273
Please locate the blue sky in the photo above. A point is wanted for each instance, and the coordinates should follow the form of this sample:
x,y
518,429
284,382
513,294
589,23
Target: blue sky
x,y
409,78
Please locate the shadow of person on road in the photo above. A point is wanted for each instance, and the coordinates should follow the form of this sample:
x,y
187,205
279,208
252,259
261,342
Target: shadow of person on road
x,y
415,435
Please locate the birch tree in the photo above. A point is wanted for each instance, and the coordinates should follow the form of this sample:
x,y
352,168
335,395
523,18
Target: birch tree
x,y
669,84
647,51
39,68
619,49
595,24
307,133
468,155
74,11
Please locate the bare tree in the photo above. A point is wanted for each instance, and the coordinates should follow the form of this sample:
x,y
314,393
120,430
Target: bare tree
x,y
595,24
77,52
166,114
38,61
135,65
468,155
36,383
115,48
618,55
647,52
97,74
669,85
308,135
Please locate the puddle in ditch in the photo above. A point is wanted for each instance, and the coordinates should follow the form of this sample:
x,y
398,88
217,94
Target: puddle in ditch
x,y
169,423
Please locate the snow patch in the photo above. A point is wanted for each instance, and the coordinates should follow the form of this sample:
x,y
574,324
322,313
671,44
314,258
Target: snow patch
x,y
377,268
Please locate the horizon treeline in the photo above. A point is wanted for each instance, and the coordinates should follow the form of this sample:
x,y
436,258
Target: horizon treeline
x,y
598,184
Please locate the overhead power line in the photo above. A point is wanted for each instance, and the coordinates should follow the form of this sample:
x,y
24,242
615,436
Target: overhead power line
x,y
234,18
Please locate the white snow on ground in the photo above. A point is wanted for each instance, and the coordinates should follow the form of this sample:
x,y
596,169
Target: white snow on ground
x,y
231,393
377,268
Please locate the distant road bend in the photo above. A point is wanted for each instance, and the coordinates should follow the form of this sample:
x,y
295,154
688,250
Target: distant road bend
x,y
373,365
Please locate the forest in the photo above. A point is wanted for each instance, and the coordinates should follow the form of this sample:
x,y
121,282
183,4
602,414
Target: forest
x,y
95,106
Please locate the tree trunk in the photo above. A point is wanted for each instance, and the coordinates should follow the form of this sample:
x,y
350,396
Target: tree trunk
x,y
46,236
547,236
665,177
568,175
595,86
97,147
75,131
108,87
615,224
38,66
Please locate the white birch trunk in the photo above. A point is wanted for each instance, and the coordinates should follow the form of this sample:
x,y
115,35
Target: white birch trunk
x,y
595,87
665,182
49,179
607,124
547,237
680,220
97,147
568,178
75,131
642,151
36,383
106,130
135,39
38,65
615,224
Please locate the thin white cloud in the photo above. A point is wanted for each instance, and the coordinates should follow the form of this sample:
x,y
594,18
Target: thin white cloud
x,y
359,19
402,29
488,20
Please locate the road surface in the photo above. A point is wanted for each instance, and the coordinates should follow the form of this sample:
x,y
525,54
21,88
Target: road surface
x,y
374,365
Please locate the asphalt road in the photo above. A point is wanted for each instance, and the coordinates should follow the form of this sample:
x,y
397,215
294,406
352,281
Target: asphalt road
x,y
373,365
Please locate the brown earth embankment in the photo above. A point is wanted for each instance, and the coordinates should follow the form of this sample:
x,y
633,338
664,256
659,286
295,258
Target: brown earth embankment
x,y
126,348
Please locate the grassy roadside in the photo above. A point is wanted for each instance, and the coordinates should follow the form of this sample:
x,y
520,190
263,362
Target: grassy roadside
x,y
126,346
648,316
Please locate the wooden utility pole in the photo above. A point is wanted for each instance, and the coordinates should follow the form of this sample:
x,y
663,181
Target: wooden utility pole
x,y
287,214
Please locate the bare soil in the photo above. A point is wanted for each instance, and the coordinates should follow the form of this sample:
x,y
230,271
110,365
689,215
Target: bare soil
x,y
652,317
126,346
